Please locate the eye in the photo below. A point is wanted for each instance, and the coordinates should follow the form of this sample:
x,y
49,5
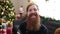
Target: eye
x,y
30,10
35,9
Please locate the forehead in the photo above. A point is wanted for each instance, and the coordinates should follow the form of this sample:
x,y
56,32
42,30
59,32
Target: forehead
x,y
33,6
20,9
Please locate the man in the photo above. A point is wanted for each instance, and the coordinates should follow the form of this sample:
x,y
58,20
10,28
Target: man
x,y
32,24
19,19
19,13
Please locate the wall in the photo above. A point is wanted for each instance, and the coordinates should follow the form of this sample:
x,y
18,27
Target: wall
x,y
18,3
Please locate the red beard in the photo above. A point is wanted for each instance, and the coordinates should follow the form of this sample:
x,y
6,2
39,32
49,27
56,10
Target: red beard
x,y
33,22
33,17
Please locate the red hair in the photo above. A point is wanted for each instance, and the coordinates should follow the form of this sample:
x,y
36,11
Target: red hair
x,y
31,5
57,31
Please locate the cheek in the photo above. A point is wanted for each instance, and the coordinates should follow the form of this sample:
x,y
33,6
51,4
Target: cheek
x,y
28,13
37,12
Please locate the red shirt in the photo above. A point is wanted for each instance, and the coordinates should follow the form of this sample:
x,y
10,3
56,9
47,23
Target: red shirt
x,y
9,30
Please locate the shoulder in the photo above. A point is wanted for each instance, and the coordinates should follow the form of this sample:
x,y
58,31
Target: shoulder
x,y
43,26
22,25
44,29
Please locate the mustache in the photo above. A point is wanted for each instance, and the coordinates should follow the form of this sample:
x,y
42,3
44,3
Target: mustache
x,y
35,14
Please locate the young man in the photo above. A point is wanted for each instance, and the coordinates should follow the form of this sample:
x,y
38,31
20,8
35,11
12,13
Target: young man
x,y
20,13
18,20
32,24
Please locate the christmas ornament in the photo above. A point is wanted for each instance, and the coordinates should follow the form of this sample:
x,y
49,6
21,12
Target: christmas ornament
x,y
2,13
6,6
7,1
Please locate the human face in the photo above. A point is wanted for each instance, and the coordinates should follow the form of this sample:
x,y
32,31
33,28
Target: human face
x,y
21,11
32,12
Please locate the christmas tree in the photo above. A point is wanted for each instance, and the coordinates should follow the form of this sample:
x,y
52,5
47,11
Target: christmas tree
x,y
7,10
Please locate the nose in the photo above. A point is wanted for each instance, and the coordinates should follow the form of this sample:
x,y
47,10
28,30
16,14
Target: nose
x,y
33,11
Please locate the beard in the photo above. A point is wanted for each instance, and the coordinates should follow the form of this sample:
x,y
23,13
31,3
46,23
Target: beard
x,y
33,22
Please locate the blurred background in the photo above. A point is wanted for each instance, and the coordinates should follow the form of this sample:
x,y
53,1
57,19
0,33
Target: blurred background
x,y
48,8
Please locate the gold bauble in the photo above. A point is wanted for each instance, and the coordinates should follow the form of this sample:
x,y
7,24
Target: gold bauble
x,y
12,14
9,8
12,9
9,14
8,21
6,6
2,13
3,9
7,1
4,1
